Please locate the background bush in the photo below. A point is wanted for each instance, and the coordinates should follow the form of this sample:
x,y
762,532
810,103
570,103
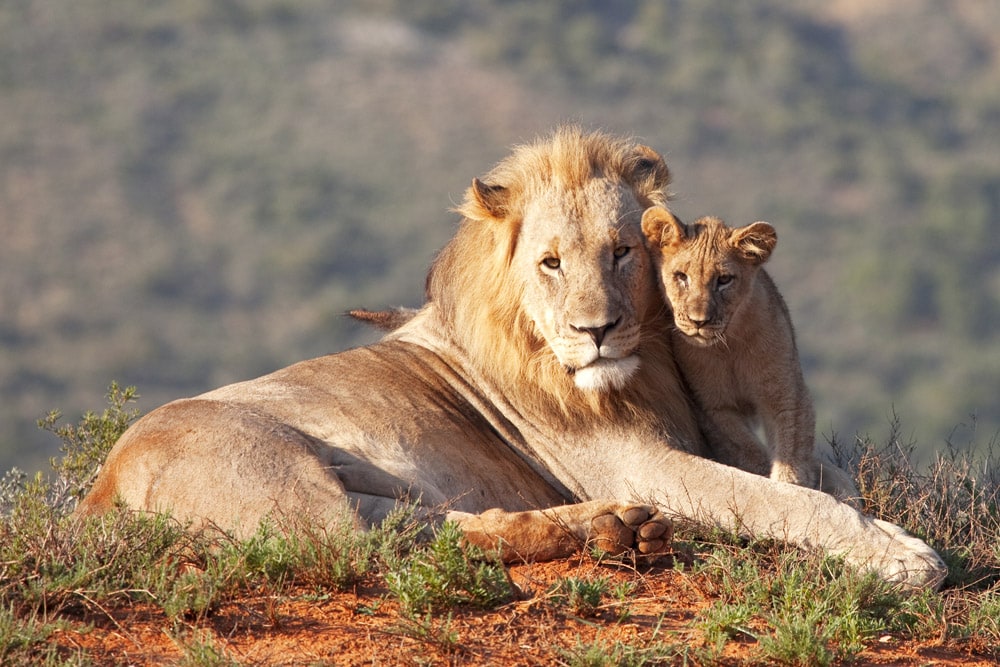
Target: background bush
x,y
193,193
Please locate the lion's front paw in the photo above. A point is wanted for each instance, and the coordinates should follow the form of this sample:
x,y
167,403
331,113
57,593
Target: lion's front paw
x,y
639,527
912,563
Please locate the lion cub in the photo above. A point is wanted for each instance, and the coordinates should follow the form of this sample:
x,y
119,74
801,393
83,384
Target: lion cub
x,y
738,353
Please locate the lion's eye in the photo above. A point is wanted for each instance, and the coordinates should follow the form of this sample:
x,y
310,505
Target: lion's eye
x,y
680,278
724,280
621,251
551,263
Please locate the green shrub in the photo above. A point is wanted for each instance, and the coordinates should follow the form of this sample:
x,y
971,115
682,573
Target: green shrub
x,y
200,649
621,654
802,608
23,640
52,560
583,596
448,572
86,445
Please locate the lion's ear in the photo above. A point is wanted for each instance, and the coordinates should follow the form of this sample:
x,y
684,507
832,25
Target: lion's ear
x,y
662,228
490,201
647,169
755,242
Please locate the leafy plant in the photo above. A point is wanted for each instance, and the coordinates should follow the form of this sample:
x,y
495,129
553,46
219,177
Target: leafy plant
x,y
200,649
802,608
448,572
86,444
430,629
620,654
583,596
23,640
52,560
622,593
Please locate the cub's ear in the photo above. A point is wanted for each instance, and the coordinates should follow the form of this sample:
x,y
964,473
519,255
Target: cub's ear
x,y
647,170
755,242
662,228
483,200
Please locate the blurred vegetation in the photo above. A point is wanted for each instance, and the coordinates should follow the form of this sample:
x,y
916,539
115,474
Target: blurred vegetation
x,y
192,192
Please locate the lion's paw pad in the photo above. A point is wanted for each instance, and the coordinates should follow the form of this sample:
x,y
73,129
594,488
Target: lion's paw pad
x,y
639,527
611,535
634,516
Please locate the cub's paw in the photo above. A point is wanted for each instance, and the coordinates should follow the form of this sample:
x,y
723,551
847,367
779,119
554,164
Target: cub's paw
x,y
803,475
639,527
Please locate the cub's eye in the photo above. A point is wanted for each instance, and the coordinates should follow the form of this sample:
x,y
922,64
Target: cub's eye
x,y
551,263
621,251
724,279
680,278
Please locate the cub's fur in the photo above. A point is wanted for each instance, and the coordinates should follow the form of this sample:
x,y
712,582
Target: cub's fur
x,y
738,352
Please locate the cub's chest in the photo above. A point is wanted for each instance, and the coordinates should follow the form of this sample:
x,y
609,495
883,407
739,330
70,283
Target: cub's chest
x,y
729,369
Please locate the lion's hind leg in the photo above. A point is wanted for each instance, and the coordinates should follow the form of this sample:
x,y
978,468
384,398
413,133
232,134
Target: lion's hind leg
x,y
538,535
214,463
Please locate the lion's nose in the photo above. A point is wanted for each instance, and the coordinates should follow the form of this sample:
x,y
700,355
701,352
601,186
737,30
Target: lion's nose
x,y
599,332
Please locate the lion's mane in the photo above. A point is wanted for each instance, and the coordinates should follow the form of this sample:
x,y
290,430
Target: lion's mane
x,y
480,297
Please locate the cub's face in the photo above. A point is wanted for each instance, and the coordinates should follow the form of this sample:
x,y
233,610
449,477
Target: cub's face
x,y
707,269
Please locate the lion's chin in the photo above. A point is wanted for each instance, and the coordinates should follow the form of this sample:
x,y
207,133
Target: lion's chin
x,y
606,374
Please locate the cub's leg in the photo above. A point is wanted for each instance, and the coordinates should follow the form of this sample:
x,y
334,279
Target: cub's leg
x,y
791,433
538,535
733,442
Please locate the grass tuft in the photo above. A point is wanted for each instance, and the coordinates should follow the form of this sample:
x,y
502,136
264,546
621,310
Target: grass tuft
x,y
582,596
448,572
953,502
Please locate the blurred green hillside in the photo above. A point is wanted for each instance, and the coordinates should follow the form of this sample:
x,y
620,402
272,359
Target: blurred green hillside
x,y
192,192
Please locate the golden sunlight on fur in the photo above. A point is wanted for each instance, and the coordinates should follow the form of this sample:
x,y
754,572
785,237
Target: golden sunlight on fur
x,y
534,398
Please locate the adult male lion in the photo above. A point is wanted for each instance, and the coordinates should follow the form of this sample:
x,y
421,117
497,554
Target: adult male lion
x,y
538,381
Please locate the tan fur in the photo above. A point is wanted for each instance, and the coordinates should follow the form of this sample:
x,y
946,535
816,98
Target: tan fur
x,y
736,343
534,396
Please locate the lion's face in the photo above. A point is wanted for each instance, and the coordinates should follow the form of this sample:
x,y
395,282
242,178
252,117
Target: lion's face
x,y
707,270
586,273
548,284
